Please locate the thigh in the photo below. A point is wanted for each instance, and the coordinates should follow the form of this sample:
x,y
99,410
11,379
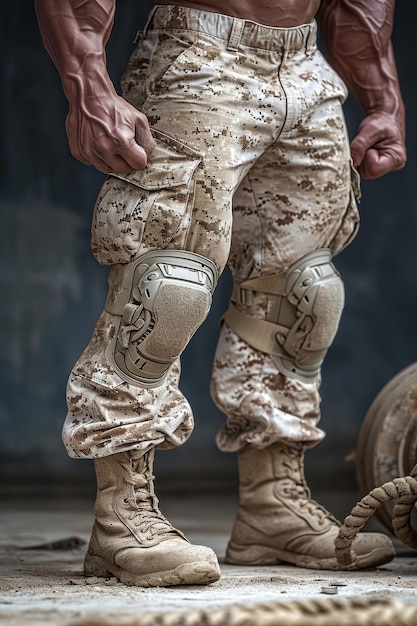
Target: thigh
x,y
298,197
207,98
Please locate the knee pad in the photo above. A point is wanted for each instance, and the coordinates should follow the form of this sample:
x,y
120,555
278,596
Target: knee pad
x,y
160,299
305,305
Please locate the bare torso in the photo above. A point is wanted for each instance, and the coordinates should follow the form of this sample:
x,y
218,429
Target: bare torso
x,y
278,13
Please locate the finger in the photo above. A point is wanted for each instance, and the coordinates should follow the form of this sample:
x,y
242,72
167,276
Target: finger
x,y
111,165
133,154
144,137
375,131
371,133
378,163
365,140
123,162
374,165
357,154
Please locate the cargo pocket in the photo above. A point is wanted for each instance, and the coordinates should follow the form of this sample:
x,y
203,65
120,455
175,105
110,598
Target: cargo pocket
x,y
350,223
145,209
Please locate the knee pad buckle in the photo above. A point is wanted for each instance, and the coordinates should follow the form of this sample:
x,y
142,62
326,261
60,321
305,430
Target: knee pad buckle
x,y
304,313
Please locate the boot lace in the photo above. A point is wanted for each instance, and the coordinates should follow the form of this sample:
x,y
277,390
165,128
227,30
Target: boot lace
x,y
296,488
149,523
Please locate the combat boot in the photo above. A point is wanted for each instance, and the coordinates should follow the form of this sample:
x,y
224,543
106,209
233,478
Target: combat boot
x,y
131,539
278,521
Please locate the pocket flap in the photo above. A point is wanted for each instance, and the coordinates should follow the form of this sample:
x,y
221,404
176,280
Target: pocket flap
x,y
171,163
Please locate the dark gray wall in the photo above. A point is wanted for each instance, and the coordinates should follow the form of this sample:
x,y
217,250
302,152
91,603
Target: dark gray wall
x,y
52,290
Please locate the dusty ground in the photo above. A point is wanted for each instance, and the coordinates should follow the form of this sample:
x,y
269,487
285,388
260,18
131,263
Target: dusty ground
x,y
46,586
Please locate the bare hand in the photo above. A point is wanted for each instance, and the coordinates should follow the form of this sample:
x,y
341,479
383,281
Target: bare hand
x,y
109,134
379,146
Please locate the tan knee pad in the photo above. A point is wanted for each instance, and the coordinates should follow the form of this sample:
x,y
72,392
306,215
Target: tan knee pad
x,y
305,306
161,299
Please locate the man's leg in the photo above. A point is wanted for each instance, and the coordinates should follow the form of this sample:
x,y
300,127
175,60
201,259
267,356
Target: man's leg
x,y
165,231
294,210
123,396
124,401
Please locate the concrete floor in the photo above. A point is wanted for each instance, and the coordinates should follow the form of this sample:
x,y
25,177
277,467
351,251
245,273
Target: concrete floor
x,y
40,586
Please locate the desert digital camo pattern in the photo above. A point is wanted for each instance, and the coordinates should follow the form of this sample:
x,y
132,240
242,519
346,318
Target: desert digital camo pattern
x,y
244,116
107,415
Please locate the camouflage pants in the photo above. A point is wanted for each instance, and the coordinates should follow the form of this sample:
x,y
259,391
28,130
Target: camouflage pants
x,y
251,169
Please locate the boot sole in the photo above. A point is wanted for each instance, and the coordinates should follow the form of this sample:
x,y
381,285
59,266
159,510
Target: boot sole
x,y
198,573
262,555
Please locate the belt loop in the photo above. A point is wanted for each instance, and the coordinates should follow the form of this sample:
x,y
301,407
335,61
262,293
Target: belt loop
x,y
235,34
311,41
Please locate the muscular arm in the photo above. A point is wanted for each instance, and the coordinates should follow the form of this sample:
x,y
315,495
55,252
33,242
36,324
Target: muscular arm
x,y
357,38
103,129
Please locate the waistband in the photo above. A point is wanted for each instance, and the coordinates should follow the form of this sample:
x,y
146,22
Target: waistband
x,y
234,30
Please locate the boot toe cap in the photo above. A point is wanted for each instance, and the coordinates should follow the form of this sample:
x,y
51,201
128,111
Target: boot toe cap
x,y
168,563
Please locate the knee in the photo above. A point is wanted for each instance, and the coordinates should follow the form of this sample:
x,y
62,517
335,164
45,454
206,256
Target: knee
x,y
161,299
305,305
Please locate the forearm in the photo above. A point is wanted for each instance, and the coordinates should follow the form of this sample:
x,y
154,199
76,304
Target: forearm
x,y
75,33
357,39
103,129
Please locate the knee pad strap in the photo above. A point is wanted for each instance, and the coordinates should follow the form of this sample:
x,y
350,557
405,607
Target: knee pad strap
x,y
306,303
160,299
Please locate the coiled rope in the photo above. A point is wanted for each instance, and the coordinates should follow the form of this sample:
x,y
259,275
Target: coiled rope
x,y
402,489
343,612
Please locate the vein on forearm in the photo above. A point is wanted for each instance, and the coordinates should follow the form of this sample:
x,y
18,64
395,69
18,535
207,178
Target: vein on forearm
x,y
75,33
357,38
